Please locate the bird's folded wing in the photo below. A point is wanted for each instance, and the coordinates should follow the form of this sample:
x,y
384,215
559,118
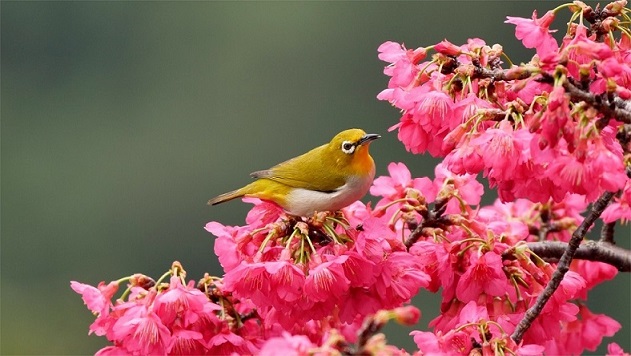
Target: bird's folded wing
x,y
315,177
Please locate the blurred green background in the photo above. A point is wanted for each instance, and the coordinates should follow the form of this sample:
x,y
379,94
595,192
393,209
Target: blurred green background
x,y
120,119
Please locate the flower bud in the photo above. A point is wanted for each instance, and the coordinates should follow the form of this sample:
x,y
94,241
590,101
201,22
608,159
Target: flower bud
x,y
447,48
177,269
418,55
142,281
578,5
407,315
615,8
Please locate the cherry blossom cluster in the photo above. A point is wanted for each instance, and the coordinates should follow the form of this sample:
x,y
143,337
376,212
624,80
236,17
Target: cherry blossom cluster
x,y
553,136
488,275
306,284
537,131
180,318
175,317
297,271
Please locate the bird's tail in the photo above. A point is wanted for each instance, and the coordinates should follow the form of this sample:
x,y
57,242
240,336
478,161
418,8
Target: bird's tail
x,y
226,196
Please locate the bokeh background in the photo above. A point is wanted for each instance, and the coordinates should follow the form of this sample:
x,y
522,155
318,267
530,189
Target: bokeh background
x,y
120,119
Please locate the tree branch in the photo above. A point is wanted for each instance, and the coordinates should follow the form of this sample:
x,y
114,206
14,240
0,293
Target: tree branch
x,y
552,251
562,267
613,107
610,105
432,218
516,73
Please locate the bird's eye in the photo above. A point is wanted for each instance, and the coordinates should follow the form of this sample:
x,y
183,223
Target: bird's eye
x,y
348,147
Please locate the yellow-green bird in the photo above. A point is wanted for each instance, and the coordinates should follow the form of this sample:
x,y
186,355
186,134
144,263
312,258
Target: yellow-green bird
x,y
327,178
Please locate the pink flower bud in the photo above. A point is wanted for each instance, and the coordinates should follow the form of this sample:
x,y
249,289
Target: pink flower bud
x,y
447,48
407,315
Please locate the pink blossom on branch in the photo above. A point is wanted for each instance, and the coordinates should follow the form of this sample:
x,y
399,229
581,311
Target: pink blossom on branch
x,y
614,349
484,275
394,187
535,32
620,209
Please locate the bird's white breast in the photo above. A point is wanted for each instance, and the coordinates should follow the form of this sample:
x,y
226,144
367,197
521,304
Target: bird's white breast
x,y
304,202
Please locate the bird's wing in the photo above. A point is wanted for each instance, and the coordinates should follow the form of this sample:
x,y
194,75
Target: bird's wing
x,y
308,171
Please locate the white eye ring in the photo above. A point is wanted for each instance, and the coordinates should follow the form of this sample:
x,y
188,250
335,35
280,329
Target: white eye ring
x,y
348,147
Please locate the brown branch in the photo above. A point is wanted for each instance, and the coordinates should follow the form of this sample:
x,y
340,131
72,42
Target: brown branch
x,y
543,231
610,105
552,251
370,328
431,218
516,73
624,137
562,267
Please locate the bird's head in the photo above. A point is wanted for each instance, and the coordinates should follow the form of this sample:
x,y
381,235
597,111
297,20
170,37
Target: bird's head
x,y
349,149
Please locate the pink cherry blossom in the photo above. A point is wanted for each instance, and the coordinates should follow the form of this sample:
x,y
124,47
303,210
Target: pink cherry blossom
x,y
262,213
415,138
590,173
465,158
327,282
582,48
467,108
400,279
287,344
267,284
535,32
614,349
465,185
402,68
98,300
483,276
594,273
472,313
228,343
432,257
451,343
503,151
585,333
184,303
113,351
620,208
433,111
231,244
186,342
394,187
142,331
555,117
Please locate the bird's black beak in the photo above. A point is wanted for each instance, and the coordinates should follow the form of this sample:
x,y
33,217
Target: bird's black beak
x,y
367,138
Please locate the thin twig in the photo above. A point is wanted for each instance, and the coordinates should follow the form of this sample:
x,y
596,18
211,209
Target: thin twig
x,y
606,234
544,214
552,251
545,229
370,328
432,218
562,267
